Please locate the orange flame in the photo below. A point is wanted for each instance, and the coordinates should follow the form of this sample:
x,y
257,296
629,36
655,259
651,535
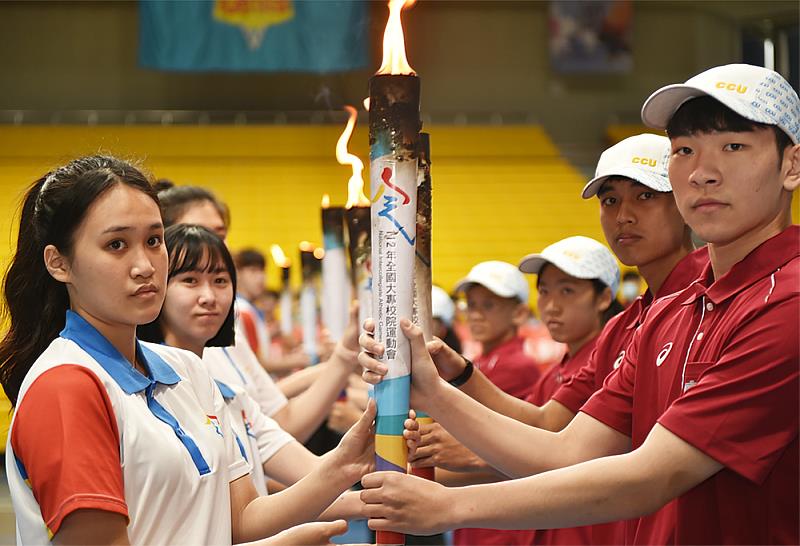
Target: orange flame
x,y
355,186
366,104
279,257
319,253
305,246
394,44
326,201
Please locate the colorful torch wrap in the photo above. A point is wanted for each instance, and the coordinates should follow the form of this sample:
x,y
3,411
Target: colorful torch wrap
x,y
335,286
394,126
423,312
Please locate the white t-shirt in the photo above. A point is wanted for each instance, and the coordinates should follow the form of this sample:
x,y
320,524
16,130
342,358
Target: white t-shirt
x,y
177,451
258,436
238,365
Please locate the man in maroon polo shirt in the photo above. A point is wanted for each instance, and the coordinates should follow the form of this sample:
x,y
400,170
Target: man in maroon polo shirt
x,y
703,409
643,226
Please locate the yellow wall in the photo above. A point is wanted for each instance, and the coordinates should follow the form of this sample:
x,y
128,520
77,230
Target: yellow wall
x,y
499,192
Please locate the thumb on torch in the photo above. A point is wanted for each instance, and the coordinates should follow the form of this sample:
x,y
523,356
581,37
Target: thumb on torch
x,y
423,372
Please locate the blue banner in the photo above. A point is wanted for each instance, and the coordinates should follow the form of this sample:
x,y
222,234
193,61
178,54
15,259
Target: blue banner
x,y
253,35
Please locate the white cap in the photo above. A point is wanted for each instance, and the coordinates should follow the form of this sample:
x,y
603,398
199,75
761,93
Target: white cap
x,y
500,278
579,257
442,305
643,158
755,93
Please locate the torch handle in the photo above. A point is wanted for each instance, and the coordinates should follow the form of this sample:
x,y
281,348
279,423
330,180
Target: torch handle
x,y
389,537
429,473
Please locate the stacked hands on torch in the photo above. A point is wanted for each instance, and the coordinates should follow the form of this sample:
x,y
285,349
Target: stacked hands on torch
x,y
402,502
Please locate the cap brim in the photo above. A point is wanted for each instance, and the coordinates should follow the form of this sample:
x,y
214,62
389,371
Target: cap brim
x,y
647,178
532,263
662,104
499,290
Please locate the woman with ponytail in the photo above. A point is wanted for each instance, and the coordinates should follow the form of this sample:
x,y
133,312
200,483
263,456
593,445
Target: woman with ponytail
x,y
114,440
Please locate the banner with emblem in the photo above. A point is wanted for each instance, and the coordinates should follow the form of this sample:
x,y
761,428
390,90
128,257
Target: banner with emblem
x,y
253,35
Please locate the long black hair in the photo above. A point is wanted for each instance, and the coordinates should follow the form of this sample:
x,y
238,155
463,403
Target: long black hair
x,y
195,248
53,208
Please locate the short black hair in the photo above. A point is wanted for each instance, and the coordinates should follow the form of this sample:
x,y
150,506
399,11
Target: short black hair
x,y
175,200
195,248
250,257
707,115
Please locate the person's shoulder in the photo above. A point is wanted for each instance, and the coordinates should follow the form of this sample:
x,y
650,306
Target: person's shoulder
x,y
185,363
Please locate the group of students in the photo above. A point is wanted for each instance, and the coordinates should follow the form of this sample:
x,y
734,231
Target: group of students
x,y
678,421
142,415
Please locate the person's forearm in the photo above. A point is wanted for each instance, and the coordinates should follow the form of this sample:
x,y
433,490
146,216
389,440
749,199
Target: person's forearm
x,y
291,463
299,381
280,365
304,501
508,445
598,491
490,395
460,479
306,412
348,506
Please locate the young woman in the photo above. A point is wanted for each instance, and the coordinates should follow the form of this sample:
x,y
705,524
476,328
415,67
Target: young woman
x,y
301,415
113,440
197,314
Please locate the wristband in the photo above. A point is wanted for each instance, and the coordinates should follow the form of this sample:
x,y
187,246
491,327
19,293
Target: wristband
x,y
464,376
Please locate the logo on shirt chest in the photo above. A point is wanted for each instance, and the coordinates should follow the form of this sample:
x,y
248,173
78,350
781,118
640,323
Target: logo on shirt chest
x,y
214,422
618,361
662,356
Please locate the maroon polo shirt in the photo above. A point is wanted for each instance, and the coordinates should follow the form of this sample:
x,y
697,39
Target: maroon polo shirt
x,y
510,368
618,332
717,364
544,390
514,372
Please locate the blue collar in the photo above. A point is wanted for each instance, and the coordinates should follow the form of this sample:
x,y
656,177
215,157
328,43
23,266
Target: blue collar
x,y
227,392
86,336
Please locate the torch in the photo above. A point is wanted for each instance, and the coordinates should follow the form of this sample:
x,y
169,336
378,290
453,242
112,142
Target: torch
x,y
308,299
394,126
284,263
335,288
423,313
357,218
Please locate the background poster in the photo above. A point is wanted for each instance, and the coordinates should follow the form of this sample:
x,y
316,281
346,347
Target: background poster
x,y
591,36
253,35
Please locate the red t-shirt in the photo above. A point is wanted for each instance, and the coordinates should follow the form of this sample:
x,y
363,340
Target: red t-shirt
x,y
544,390
67,445
510,368
718,364
618,333
514,372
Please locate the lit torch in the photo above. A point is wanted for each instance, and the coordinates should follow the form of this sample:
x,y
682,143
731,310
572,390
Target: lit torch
x,y
423,312
335,288
394,126
308,299
284,263
357,217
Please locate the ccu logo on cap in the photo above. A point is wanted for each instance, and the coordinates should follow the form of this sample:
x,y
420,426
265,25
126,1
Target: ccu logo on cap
x,y
739,88
644,161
